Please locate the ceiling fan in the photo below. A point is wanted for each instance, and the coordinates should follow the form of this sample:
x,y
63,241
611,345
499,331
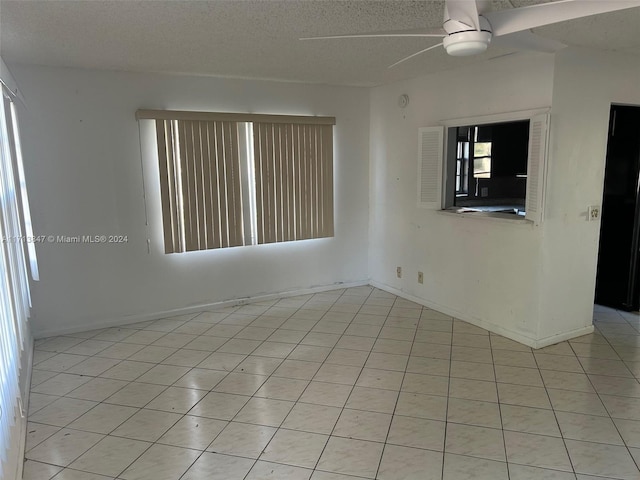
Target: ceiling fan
x,y
469,26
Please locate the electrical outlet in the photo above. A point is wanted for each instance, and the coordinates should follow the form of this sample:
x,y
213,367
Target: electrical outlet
x,y
399,272
593,213
420,277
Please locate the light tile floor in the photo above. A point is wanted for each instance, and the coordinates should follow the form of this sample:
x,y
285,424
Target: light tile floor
x,y
347,384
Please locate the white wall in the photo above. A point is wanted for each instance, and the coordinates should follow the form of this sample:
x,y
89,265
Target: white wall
x,y
586,83
483,271
83,170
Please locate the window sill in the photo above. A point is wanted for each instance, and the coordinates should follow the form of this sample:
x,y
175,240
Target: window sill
x,y
492,216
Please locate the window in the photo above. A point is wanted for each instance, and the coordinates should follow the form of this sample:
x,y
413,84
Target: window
x,y
232,179
492,164
16,255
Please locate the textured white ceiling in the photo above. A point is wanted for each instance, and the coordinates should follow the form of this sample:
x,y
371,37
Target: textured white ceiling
x,y
259,38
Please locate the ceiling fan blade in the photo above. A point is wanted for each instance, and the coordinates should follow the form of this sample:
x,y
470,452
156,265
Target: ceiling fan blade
x,y
416,32
527,40
465,11
415,55
502,56
513,20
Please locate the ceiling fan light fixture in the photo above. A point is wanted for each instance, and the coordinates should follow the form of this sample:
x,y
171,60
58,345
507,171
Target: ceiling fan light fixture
x,y
463,44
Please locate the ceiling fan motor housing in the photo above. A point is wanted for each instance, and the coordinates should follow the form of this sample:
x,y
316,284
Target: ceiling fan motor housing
x,y
462,44
463,39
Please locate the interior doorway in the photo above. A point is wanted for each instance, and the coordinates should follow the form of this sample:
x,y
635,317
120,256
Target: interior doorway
x,y
618,277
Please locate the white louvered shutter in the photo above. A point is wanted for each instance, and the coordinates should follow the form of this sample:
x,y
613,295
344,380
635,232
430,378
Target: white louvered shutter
x,y
536,167
430,148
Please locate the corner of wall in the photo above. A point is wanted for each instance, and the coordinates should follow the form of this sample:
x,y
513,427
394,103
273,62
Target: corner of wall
x,y
585,84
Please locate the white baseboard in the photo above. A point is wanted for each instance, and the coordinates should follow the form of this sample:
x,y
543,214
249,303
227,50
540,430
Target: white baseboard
x,y
561,337
122,321
143,317
516,336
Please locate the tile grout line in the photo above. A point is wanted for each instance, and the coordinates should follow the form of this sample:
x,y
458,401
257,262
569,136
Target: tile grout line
x,y
269,376
504,440
253,395
322,364
446,413
355,382
285,358
202,452
404,374
98,403
605,406
334,345
139,409
555,415
153,443
108,434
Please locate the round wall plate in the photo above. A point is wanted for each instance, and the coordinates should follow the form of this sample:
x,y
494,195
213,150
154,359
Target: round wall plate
x,y
403,100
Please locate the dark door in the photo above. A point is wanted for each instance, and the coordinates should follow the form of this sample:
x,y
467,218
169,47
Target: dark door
x,y
618,270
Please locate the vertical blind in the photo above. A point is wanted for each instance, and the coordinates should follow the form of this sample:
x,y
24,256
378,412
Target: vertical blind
x,y
237,179
15,301
294,181
200,184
